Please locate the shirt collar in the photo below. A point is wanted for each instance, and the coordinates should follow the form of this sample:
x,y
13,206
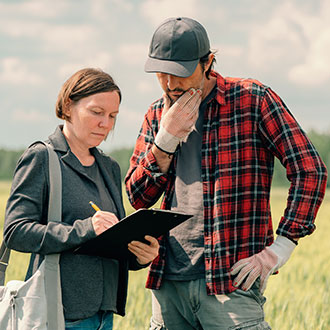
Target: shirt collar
x,y
58,140
60,143
220,94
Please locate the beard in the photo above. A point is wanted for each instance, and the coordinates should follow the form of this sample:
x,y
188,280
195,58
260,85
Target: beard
x,y
173,99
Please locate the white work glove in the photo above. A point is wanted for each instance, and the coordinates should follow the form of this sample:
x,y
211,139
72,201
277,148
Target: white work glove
x,y
178,120
262,264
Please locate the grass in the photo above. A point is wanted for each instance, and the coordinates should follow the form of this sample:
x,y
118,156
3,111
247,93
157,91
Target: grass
x,y
298,298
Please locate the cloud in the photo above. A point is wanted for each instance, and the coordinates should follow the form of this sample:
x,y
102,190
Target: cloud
x,y
275,44
145,87
35,8
30,116
101,60
133,54
315,69
34,23
155,11
295,41
124,5
14,71
74,41
228,50
129,117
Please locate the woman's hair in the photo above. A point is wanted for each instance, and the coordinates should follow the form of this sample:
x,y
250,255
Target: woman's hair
x,y
203,60
83,83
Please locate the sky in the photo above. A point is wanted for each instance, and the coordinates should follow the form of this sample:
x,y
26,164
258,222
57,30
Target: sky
x,y
283,44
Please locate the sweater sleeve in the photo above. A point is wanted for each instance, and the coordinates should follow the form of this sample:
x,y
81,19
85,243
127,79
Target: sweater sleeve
x,y
26,228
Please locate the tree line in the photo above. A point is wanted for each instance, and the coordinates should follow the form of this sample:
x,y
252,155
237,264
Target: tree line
x,y
9,158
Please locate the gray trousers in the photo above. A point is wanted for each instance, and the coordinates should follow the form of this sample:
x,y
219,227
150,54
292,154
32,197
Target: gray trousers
x,y
184,305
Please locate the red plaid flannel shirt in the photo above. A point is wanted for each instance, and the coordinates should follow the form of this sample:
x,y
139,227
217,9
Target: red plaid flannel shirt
x,y
245,125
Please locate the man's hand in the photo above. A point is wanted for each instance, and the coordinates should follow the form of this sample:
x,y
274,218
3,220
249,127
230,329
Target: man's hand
x,y
178,120
262,264
102,221
145,253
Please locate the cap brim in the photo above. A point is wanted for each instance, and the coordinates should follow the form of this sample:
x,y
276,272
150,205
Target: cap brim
x,y
182,69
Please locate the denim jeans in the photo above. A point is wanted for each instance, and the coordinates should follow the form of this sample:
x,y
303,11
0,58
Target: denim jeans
x,y
185,305
102,320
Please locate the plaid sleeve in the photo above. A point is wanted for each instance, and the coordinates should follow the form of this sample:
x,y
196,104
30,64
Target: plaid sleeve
x,y
144,181
304,167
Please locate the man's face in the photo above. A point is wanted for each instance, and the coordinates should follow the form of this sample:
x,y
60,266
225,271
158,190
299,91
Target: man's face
x,y
175,86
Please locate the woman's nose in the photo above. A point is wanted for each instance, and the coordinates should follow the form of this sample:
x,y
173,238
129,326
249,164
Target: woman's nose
x,y
106,122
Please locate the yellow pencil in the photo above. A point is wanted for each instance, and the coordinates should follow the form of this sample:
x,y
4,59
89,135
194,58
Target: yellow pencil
x,y
94,206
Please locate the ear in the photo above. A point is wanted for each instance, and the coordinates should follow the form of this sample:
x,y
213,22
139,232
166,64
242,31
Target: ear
x,y
67,108
209,63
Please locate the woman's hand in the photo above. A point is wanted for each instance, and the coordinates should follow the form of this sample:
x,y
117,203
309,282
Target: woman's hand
x,y
145,253
102,221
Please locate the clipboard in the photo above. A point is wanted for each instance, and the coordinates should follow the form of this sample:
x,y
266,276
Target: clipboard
x,y
113,242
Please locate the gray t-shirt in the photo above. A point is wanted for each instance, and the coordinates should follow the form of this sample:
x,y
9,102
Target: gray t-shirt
x,y
185,246
110,266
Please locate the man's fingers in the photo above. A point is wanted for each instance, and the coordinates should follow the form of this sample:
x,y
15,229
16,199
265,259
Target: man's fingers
x,y
183,99
243,274
253,275
238,266
167,103
194,102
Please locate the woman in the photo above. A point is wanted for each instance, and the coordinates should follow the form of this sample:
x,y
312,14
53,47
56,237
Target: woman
x,y
93,288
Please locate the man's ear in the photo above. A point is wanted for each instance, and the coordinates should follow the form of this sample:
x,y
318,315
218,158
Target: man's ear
x,y
209,63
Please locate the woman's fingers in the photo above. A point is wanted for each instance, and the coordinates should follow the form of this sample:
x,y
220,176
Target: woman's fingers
x,y
145,253
103,220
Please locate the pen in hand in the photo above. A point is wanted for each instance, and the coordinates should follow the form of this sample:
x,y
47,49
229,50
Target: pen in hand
x,y
102,220
94,206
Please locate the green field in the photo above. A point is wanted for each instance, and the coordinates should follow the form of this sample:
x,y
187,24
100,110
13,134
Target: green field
x,y
297,298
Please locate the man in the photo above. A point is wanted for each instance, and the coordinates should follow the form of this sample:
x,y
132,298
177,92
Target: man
x,y
208,145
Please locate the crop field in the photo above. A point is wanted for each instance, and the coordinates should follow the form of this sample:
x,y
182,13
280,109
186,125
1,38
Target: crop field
x,y
298,298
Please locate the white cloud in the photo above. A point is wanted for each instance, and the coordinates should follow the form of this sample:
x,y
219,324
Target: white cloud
x,y
101,60
71,39
145,87
103,10
53,38
16,28
124,5
129,118
15,71
31,116
156,11
34,22
315,69
273,44
35,8
228,50
295,41
133,54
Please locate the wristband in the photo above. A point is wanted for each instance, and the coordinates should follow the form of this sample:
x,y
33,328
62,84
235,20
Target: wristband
x,y
169,154
165,141
292,240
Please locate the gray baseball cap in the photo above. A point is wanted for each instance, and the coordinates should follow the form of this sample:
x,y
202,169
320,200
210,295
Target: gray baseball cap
x,y
176,47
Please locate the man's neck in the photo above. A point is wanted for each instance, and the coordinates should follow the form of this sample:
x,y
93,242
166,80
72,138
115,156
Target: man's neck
x,y
208,86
